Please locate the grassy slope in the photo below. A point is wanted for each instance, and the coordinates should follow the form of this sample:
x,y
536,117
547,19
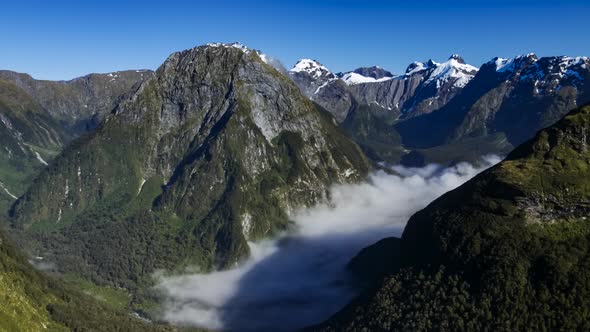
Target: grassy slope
x,y
25,129
34,302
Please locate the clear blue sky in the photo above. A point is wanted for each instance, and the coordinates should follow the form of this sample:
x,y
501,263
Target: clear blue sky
x,y
63,39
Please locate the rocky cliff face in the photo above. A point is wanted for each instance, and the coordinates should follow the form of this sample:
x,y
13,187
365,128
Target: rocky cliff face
x,y
323,87
508,250
215,149
80,103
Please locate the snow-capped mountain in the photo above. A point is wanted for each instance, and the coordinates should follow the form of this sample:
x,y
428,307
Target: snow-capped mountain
x,y
366,75
454,70
547,74
311,76
508,99
319,84
423,88
313,68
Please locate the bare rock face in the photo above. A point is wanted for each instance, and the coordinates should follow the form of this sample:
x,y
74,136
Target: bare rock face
x,y
216,148
323,87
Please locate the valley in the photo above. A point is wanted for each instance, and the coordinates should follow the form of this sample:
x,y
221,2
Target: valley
x,y
222,191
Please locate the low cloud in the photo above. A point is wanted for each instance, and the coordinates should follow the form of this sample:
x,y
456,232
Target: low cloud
x,y
300,278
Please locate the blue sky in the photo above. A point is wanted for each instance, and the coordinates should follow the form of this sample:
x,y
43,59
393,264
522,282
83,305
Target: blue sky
x,y
65,39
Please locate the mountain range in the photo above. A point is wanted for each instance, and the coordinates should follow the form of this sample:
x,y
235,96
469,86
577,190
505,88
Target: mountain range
x,y
476,111
113,177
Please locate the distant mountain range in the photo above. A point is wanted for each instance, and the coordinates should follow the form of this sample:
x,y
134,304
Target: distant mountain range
x,y
445,112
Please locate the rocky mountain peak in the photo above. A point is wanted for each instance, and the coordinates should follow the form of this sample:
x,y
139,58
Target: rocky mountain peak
x,y
322,86
457,58
366,75
237,45
313,68
375,72
415,67
454,70
515,64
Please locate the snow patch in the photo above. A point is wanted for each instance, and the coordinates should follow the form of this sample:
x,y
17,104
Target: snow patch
x,y
452,69
7,192
355,78
349,172
237,45
141,186
265,58
323,86
40,159
311,67
504,65
418,67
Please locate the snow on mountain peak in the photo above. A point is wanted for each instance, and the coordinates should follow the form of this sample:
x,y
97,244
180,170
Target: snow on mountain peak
x,y
415,67
566,61
454,68
366,75
235,45
264,57
503,65
457,57
312,67
510,65
352,78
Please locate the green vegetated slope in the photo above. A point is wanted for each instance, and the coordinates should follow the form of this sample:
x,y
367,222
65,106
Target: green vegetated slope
x,y
508,250
38,118
28,137
370,126
213,151
34,302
